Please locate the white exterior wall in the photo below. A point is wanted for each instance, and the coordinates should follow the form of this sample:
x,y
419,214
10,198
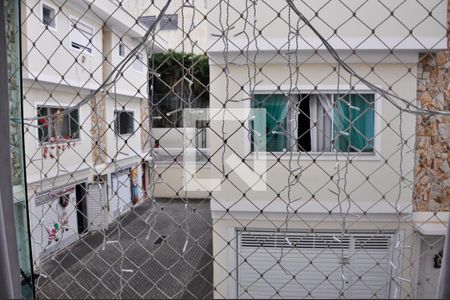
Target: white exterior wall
x,y
77,84
43,85
315,178
43,169
352,32
133,83
381,194
194,22
172,182
63,59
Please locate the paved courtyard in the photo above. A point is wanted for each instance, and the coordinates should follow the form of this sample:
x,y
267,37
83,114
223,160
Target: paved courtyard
x,y
137,267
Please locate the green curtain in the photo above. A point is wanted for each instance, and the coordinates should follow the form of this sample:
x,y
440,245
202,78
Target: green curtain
x,y
359,124
276,110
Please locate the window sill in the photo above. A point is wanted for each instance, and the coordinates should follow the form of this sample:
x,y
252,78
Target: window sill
x,y
125,135
318,156
60,142
49,27
82,51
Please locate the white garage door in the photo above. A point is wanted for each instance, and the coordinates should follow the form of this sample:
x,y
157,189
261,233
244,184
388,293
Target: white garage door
x,y
319,265
121,192
96,211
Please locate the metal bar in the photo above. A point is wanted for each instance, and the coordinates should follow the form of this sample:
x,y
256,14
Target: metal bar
x,y
9,261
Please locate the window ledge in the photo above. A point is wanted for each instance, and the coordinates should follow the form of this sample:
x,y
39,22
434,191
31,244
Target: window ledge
x,y
318,156
52,28
60,142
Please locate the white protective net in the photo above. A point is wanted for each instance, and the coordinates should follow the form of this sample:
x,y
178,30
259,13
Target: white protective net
x,y
236,149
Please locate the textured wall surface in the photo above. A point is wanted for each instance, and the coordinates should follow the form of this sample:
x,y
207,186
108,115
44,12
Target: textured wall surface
x,y
99,128
145,126
432,170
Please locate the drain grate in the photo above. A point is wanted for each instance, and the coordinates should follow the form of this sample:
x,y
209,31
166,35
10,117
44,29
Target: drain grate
x,y
160,239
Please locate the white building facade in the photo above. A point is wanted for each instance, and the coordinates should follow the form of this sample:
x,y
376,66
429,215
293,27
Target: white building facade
x,y
85,146
180,18
184,27
288,240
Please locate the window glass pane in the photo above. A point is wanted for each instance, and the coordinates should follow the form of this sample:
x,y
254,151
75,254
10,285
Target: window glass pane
x,y
56,125
169,22
66,127
354,123
20,200
129,122
43,123
147,20
304,131
276,107
321,108
124,122
116,122
48,16
121,50
74,124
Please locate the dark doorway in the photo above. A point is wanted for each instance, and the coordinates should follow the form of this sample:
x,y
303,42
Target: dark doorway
x,y
80,191
304,125
144,179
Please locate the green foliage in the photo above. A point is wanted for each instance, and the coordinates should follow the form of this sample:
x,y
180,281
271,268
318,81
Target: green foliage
x,y
173,65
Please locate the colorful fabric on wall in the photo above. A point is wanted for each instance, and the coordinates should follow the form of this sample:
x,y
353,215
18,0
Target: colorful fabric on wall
x,y
354,123
276,106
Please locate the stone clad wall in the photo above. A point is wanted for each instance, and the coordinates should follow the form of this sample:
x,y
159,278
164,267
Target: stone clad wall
x,y
99,128
145,125
432,168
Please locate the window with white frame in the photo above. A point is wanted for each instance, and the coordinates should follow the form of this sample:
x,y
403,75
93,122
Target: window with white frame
x,y
123,122
138,63
81,36
121,49
56,124
48,16
316,122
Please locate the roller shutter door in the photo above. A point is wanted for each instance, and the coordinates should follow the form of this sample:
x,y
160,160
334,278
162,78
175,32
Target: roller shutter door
x,y
319,265
96,206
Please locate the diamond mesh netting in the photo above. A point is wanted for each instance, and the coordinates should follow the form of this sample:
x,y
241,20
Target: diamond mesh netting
x,y
236,149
